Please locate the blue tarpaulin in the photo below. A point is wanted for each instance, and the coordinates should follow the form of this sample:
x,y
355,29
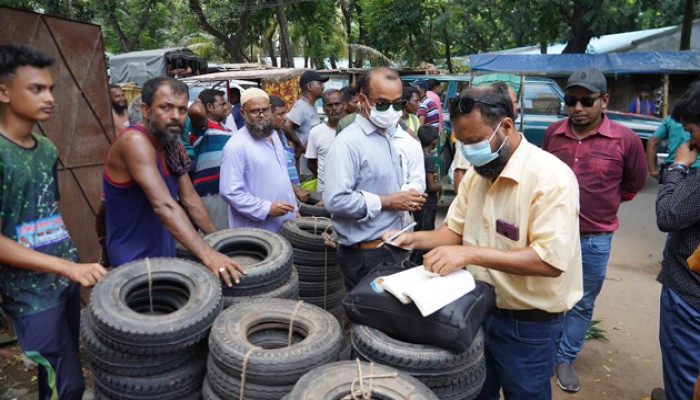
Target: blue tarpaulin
x,y
657,62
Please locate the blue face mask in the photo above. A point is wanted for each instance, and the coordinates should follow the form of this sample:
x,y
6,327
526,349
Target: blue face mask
x,y
480,153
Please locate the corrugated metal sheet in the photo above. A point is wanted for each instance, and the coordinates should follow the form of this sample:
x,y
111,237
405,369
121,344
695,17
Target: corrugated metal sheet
x,y
81,126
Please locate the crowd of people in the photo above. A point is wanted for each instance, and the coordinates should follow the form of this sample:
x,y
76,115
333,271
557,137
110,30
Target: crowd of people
x,y
536,223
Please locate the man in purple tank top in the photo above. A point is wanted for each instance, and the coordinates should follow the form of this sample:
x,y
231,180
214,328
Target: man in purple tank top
x,y
145,174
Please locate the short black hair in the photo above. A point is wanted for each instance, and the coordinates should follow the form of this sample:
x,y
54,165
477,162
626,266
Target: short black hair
x,y
427,134
492,103
208,96
408,92
386,73
330,92
432,83
151,86
276,102
687,108
13,56
113,86
348,93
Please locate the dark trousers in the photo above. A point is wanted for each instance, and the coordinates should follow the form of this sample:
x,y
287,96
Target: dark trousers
x,y
50,338
425,221
356,263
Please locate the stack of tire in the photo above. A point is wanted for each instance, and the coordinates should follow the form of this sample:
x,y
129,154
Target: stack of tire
x,y
314,245
253,350
310,209
451,376
146,326
267,258
358,380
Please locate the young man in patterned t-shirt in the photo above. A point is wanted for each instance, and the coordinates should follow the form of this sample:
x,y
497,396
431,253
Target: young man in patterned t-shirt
x,y
38,269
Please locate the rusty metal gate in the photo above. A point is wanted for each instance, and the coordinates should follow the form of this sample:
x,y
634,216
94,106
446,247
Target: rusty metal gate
x,y
81,126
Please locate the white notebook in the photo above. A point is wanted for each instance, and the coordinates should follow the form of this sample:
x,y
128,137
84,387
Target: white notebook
x,y
429,291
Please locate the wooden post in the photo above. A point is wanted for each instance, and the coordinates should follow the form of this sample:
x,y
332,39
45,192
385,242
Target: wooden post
x,y
664,107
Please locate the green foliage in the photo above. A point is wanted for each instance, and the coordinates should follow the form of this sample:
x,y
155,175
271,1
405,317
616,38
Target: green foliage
x,y
596,332
406,31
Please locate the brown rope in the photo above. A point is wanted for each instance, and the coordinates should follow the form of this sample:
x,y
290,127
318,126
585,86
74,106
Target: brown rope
x,y
244,369
328,241
291,321
361,393
150,284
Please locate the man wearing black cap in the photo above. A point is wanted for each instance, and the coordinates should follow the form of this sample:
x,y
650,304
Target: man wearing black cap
x,y
609,162
303,115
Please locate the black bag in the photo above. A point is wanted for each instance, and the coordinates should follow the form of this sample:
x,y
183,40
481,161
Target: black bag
x,y
453,327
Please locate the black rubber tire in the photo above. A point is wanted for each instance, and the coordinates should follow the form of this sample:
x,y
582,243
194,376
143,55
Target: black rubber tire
x,y
317,258
309,210
431,365
183,382
208,392
229,343
345,348
226,386
289,290
315,289
333,381
187,289
306,233
468,388
314,197
315,273
333,301
266,256
119,363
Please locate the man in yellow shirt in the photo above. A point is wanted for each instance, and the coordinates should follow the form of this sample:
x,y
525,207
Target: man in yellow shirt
x,y
514,224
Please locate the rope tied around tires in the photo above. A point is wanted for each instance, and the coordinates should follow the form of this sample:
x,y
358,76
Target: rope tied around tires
x,y
360,393
244,369
291,321
328,241
150,284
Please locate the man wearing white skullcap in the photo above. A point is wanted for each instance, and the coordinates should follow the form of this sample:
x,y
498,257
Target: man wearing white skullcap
x,y
254,178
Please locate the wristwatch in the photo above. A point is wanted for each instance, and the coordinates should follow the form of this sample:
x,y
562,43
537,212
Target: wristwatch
x,y
679,167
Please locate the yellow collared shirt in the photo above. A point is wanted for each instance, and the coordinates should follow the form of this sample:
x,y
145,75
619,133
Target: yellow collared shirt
x,y
538,193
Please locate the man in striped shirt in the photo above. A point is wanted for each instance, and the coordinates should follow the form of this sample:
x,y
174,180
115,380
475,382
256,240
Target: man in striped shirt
x,y
428,112
207,150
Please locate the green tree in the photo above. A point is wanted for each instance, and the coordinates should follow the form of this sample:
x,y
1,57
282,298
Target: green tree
x,y
227,21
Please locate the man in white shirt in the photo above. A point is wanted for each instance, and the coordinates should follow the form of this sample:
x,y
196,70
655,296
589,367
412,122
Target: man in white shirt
x,y
321,136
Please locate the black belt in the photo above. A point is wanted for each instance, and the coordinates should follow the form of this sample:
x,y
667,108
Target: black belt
x,y
594,233
525,315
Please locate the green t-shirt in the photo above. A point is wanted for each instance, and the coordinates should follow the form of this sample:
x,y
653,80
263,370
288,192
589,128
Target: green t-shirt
x,y
29,212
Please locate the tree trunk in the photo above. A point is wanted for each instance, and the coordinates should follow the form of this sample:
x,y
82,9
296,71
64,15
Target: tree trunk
x,y
581,34
334,65
286,54
687,29
347,15
448,44
233,41
362,37
543,48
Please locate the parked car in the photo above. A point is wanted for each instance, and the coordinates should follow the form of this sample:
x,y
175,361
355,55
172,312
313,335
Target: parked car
x,y
542,103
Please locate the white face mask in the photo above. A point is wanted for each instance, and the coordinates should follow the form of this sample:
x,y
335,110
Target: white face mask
x,y
384,119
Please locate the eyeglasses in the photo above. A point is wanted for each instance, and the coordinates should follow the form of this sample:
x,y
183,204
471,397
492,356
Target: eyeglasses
x,y
465,105
384,105
259,111
586,101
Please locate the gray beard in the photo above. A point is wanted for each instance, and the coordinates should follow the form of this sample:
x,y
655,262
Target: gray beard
x,y
494,168
162,134
260,129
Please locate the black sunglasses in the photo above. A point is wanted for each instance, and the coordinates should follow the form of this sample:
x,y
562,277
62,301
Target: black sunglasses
x,y
384,105
465,105
586,101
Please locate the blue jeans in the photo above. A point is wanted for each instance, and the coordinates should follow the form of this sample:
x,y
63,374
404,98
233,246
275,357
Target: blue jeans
x,y
679,336
50,338
519,357
595,252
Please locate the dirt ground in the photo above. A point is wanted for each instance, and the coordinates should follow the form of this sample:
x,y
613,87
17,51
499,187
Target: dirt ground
x,y
626,367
